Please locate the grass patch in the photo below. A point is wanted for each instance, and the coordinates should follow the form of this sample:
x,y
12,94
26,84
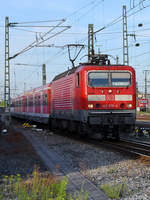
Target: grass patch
x,y
37,187
111,170
114,191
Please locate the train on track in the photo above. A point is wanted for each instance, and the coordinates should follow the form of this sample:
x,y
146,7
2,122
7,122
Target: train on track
x,y
93,98
142,104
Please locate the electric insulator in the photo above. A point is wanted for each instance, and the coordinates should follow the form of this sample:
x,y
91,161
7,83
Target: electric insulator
x,y
140,25
137,44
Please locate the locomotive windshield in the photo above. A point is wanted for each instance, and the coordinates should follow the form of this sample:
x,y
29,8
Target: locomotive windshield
x,y
98,79
109,79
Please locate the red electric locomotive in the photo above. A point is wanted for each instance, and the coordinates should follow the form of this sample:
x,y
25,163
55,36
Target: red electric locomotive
x,y
94,98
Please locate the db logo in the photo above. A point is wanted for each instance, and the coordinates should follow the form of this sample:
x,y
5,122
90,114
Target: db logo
x,y
110,97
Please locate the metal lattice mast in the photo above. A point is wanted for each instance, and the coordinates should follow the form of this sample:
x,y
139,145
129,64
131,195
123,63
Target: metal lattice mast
x,y
44,74
146,82
90,42
125,38
7,69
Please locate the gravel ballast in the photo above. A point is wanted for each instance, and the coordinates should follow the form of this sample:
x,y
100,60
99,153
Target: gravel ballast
x,y
17,156
101,166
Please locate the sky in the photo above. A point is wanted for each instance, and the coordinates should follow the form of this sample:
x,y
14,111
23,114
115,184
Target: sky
x,y
77,14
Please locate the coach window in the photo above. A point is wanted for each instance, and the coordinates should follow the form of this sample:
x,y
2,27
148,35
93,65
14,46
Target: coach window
x,y
26,102
46,99
39,102
31,101
35,101
43,99
78,80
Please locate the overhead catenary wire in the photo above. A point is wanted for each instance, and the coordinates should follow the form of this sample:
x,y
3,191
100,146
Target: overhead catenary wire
x,y
101,33
48,26
93,6
82,7
142,54
119,48
118,19
42,39
112,23
33,22
20,29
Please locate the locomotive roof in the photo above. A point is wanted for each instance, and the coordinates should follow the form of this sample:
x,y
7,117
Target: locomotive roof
x,y
72,70
68,72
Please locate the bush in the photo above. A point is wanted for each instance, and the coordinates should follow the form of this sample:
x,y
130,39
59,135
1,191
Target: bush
x,y
37,187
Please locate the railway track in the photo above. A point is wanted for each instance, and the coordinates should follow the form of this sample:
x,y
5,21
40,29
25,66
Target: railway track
x,y
136,148
140,150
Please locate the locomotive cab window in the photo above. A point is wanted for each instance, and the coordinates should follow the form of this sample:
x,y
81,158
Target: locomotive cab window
x,y
109,79
98,79
119,79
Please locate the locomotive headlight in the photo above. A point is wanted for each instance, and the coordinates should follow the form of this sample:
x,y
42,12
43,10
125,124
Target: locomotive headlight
x,y
109,91
129,105
90,106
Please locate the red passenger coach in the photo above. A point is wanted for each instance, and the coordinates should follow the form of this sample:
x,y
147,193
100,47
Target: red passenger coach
x,y
94,99
33,105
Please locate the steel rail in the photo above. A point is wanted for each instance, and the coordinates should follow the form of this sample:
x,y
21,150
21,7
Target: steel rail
x,y
141,151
